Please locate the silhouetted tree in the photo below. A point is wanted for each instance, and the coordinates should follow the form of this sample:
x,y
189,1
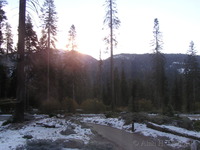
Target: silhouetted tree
x,y
100,76
159,80
49,18
191,78
31,40
43,41
113,23
117,86
31,46
3,18
3,81
98,84
19,112
8,39
134,93
124,89
72,38
177,93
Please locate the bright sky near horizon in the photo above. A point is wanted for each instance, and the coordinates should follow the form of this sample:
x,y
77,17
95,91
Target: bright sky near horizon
x,y
179,23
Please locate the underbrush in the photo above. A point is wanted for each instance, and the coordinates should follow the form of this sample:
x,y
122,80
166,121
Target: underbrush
x,y
182,122
52,106
93,106
197,125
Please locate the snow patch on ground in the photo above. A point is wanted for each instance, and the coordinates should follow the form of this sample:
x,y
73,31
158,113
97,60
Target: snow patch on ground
x,y
1,122
172,140
113,122
191,116
180,130
10,138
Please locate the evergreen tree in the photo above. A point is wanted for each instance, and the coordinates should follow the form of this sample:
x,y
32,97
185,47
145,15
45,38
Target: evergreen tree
x,y
31,40
19,112
113,23
159,80
8,39
43,41
177,93
3,81
117,85
98,84
72,38
134,93
31,46
100,75
124,89
3,18
191,78
49,18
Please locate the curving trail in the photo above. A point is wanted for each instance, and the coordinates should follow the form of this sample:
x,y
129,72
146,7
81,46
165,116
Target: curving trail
x,y
128,141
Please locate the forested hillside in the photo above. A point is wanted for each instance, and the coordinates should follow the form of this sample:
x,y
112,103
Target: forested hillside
x,y
35,74
81,77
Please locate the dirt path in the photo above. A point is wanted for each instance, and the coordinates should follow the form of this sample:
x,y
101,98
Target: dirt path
x,y
128,141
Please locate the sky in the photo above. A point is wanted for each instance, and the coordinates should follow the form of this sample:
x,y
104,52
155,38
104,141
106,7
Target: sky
x,y
179,23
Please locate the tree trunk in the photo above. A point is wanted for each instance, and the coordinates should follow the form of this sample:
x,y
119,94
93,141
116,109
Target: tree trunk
x,y
166,130
111,57
19,112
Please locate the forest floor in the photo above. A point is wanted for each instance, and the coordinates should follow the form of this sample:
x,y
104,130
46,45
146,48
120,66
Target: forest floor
x,y
87,132
129,141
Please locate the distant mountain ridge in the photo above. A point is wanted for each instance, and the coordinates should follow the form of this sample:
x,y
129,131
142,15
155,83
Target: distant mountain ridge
x,y
134,65
137,65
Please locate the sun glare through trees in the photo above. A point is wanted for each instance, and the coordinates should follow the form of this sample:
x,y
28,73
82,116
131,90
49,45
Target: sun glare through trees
x,y
111,57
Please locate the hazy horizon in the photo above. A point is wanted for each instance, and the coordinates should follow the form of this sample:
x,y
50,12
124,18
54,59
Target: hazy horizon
x,y
179,24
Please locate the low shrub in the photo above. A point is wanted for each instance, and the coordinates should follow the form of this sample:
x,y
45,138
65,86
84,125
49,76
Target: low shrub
x,y
93,106
197,107
186,123
140,105
6,122
50,106
53,106
121,109
197,125
168,111
69,105
161,119
136,117
145,105
111,114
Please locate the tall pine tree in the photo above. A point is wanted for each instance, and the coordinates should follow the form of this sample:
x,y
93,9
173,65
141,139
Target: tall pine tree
x,y
49,18
31,40
191,78
159,80
19,112
3,18
8,39
49,32
124,89
112,22
72,38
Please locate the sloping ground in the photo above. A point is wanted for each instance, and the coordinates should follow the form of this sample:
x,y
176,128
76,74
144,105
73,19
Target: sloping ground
x,y
55,133
129,141
175,130
44,131
174,141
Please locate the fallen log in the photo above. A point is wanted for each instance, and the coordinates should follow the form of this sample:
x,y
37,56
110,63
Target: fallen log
x,y
166,130
46,125
8,101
